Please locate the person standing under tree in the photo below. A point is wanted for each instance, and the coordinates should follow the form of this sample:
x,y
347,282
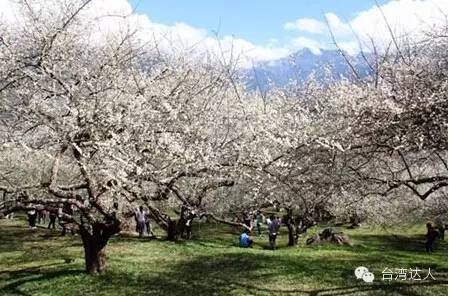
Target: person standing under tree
x,y
273,229
32,216
52,223
188,228
431,237
42,216
141,221
259,221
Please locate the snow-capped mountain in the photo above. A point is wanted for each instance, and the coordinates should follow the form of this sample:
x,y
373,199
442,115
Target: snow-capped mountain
x,y
301,65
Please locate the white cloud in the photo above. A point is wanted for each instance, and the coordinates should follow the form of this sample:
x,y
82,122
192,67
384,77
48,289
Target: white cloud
x,y
104,19
351,47
406,18
309,25
303,42
337,26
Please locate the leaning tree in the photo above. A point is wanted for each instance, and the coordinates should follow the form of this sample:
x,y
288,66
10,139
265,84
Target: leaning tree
x,y
107,126
66,106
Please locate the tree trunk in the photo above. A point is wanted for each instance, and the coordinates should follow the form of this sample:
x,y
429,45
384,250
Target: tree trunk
x,y
95,253
172,231
180,227
292,237
94,244
293,228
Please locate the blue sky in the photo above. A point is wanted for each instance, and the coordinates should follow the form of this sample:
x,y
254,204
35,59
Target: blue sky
x,y
258,21
256,30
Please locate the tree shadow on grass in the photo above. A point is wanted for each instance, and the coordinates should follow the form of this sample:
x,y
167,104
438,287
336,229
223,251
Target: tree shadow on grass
x,y
386,289
258,274
243,272
223,274
19,238
135,239
409,243
27,276
14,273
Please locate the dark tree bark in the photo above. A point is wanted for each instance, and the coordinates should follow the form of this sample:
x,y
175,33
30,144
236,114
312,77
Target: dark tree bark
x,y
95,242
297,225
292,235
293,225
180,226
95,254
292,228
172,230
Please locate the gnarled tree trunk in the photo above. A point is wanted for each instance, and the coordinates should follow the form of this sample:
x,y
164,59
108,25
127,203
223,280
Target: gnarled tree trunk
x,y
95,254
172,230
296,225
94,243
292,235
292,224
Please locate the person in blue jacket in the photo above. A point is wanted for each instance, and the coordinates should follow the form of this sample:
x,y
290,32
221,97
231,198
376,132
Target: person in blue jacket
x,y
245,241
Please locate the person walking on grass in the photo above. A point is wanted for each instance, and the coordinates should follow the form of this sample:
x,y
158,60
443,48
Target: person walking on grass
x,y
141,221
42,216
259,221
32,216
52,223
273,230
431,237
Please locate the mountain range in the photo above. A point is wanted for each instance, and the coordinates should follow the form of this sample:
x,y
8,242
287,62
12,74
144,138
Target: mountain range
x,y
328,65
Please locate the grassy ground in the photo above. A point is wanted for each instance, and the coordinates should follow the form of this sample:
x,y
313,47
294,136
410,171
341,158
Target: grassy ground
x,y
39,262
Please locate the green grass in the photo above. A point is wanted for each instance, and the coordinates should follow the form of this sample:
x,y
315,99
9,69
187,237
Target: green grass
x,y
34,263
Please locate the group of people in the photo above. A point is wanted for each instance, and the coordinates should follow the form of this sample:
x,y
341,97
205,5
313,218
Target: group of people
x,y
40,216
434,233
35,217
273,223
143,224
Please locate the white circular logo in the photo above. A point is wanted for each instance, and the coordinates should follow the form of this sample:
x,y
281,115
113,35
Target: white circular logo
x,y
359,271
368,277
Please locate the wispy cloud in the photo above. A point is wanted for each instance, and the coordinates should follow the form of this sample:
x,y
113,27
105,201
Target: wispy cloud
x,y
309,25
406,18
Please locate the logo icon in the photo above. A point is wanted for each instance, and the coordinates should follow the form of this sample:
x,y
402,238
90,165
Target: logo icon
x,y
363,273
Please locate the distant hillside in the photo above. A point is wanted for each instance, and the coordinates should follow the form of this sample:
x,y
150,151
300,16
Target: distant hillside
x,y
301,65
